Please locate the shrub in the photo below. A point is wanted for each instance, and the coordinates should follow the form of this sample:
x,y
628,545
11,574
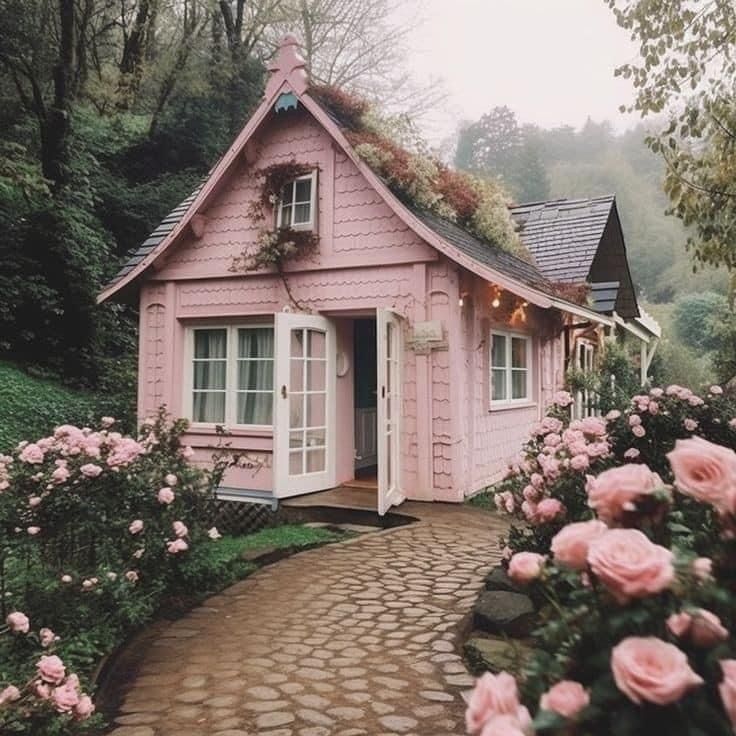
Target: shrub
x,y
636,634
98,530
548,487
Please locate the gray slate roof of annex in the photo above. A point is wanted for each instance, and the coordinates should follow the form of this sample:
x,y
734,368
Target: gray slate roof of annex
x,y
563,235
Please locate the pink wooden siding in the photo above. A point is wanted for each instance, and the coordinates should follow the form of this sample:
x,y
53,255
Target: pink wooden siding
x,y
368,258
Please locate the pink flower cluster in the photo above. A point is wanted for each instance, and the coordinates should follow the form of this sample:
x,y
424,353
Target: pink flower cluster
x,y
61,690
494,708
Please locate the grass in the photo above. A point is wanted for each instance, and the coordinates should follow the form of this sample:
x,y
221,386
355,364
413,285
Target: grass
x,y
30,407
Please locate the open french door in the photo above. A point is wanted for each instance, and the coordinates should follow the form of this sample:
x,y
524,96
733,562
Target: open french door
x,y
305,412
390,354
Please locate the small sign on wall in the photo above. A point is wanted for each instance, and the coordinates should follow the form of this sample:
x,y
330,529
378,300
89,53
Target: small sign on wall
x,y
427,336
428,331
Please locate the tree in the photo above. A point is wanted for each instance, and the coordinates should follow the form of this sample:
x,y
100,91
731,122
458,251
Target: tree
x,y
496,146
686,75
693,319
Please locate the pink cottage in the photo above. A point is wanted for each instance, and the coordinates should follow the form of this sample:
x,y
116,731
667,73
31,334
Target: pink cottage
x,y
418,357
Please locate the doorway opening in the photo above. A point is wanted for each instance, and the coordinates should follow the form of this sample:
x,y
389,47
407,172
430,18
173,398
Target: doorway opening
x,y
365,401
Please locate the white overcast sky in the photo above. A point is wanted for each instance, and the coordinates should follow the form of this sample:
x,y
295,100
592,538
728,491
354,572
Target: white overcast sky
x,y
551,61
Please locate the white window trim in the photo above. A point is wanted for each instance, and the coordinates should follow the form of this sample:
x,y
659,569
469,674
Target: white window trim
x,y
311,225
527,400
231,374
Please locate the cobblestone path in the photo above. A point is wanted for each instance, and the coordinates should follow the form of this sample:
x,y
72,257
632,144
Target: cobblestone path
x,y
352,639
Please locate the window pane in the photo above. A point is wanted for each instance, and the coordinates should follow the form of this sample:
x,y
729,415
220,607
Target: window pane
x,y
209,406
303,190
287,193
285,217
301,214
498,380
518,384
518,352
315,461
255,375
209,374
316,375
255,408
210,343
255,342
316,345
498,351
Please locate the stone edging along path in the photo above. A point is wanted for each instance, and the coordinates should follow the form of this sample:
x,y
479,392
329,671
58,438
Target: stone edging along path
x,y
350,639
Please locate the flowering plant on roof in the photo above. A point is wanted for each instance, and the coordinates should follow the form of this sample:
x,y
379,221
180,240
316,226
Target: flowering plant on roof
x,y
636,626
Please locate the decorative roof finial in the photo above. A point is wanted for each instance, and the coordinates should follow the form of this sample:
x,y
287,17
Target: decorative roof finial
x,y
287,66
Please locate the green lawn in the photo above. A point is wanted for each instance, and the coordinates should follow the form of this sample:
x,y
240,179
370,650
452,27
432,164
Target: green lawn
x,y
30,407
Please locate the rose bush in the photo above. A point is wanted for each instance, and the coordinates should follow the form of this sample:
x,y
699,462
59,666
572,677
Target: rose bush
x,y
638,613
97,531
552,483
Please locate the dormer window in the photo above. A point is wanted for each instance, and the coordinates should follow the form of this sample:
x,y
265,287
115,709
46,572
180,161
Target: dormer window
x,y
297,203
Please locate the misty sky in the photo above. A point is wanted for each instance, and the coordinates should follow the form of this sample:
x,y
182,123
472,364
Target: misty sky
x,y
551,61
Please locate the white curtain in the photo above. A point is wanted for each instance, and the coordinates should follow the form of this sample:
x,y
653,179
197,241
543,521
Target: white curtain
x,y
255,376
210,370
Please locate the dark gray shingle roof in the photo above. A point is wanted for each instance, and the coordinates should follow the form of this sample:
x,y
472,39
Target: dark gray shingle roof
x,y
482,251
563,235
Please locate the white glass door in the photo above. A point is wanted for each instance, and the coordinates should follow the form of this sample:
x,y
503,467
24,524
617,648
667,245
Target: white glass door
x,y
390,355
304,431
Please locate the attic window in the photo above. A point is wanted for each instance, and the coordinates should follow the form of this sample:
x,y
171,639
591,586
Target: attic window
x,y
297,203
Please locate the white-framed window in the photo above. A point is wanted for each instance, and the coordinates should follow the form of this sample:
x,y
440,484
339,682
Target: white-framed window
x,y
297,203
231,375
511,368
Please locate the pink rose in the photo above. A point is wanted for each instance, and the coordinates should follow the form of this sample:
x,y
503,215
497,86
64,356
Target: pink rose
x,y
46,637
529,509
638,431
31,454
107,421
506,725
493,695
131,576
84,708
530,494
613,415
33,530
567,698
9,695
702,627
647,669
170,479
178,545
187,453
690,425
213,534
525,567
61,474
617,490
705,471
727,689
88,584
90,470
66,579
629,565
716,390
65,697
563,398
634,420
549,509
632,453
580,462
136,526
593,426
537,480
180,529
51,669
570,545
703,568
165,495
18,622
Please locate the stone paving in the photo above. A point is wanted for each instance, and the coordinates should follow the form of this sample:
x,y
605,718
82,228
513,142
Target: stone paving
x,y
352,639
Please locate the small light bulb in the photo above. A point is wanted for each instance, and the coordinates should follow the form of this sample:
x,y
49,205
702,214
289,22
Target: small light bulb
x,y
460,302
496,302
525,304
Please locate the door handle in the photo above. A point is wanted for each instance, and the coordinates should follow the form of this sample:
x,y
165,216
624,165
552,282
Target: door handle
x,y
383,392
283,391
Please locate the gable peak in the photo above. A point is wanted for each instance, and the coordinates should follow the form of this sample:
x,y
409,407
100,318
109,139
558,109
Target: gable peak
x,y
288,65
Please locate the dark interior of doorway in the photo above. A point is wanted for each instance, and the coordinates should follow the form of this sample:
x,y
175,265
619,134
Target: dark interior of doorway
x,y
365,402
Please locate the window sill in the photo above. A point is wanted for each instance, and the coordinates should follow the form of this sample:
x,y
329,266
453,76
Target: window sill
x,y
509,407
240,431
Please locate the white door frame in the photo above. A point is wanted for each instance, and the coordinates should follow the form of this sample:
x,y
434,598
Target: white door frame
x,y
295,441
390,356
